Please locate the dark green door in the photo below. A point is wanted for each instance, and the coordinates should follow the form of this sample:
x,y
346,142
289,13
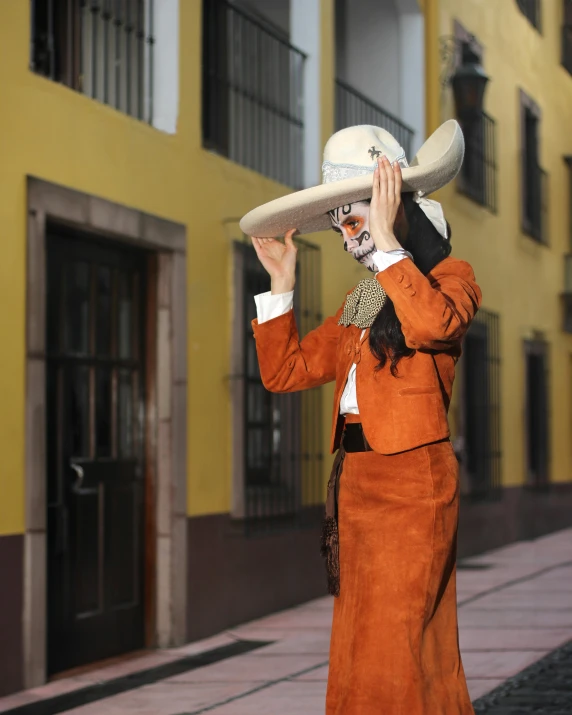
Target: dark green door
x,y
95,474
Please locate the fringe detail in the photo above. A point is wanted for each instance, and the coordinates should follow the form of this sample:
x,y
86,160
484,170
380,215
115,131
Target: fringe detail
x,y
330,550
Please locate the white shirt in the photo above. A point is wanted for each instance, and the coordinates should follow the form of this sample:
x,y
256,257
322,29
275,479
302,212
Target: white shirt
x,y
270,306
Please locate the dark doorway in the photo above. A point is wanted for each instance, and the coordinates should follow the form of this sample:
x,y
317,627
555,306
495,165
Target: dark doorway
x,y
95,448
537,413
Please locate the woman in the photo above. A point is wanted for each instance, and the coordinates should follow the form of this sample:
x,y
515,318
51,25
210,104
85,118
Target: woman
x,y
392,509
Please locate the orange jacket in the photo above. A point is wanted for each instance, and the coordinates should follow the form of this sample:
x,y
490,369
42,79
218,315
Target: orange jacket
x,y
397,413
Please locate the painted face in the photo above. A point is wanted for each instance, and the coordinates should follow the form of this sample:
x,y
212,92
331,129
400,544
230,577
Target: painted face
x,y
352,223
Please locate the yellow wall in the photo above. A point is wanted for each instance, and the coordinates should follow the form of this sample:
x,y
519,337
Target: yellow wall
x,y
521,280
51,132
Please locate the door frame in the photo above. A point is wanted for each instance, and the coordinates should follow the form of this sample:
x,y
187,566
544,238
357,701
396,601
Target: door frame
x,y
166,421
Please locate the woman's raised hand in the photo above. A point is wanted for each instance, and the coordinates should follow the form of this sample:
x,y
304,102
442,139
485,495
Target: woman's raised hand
x,y
385,202
279,260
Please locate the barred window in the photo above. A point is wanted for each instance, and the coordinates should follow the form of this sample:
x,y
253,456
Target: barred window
x,y
353,108
278,456
102,49
531,9
567,36
252,93
534,180
480,420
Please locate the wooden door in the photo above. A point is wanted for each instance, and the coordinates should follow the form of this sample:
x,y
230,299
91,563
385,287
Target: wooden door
x,y
95,471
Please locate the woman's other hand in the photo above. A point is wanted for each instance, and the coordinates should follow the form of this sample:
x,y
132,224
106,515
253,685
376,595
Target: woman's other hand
x,y
385,203
279,260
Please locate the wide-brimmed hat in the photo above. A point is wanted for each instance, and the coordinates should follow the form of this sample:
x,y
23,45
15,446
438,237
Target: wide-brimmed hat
x,y
347,176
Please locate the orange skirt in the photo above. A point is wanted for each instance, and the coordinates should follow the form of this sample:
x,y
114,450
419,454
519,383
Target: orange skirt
x,y
394,647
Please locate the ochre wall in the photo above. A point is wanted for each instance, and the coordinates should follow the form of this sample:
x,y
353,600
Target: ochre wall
x,y
49,131
521,279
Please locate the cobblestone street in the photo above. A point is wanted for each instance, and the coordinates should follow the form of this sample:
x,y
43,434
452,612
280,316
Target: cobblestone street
x,y
515,611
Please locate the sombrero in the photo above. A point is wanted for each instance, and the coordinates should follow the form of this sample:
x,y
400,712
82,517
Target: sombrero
x,y
347,176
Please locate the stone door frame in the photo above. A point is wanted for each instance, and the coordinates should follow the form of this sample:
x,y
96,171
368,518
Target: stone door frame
x,y
166,406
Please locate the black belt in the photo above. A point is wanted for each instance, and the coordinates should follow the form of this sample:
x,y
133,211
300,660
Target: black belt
x,y
353,438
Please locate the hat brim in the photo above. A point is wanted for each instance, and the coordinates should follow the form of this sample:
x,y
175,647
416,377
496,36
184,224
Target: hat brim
x,y
437,163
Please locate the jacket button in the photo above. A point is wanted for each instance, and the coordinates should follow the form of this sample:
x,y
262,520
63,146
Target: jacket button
x,y
291,363
400,279
412,292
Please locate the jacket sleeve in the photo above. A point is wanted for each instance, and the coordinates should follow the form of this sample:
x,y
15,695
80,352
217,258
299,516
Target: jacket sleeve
x,y
288,364
434,310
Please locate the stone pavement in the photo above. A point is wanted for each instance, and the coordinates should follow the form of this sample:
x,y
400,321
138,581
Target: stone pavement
x,y
515,606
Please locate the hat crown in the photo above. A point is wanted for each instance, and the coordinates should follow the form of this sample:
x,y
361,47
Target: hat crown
x,y
361,146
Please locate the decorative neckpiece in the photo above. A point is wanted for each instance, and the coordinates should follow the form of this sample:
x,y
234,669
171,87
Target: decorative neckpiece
x,y
363,304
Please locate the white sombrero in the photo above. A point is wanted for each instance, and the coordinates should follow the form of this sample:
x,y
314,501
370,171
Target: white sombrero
x,y
347,176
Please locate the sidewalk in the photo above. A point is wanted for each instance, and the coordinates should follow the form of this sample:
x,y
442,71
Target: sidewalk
x,y
515,605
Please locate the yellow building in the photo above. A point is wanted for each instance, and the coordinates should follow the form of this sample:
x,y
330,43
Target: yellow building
x,y
151,492
510,211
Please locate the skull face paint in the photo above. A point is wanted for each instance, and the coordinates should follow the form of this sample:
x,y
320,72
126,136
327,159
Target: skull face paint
x,y
352,223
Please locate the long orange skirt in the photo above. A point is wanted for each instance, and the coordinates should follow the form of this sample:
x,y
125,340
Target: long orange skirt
x,y
394,647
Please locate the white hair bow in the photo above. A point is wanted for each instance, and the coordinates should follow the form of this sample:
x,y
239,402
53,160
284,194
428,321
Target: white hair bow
x,y
434,212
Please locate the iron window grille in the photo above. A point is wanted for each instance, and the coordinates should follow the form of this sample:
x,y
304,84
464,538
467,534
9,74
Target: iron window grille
x,y
353,108
478,175
101,49
283,438
534,178
537,376
531,9
481,454
252,93
567,36
567,295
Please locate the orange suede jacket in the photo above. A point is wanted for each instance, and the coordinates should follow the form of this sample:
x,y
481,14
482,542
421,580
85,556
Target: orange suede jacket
x,y
397,413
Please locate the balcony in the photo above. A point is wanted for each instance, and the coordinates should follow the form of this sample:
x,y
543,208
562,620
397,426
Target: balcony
x,y
567,295
477,178
252,93
352,108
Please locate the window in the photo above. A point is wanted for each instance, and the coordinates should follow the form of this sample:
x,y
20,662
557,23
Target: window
x,y
531,10
534,179
567,36
102,49
252,93
477,178
567,294
277,438
481,405
537,411
353,108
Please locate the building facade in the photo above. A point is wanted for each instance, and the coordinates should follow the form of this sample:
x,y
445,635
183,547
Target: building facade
x,y
152,492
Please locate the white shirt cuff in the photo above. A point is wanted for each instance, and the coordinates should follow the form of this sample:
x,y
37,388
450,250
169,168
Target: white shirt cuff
x,y
270,306
383,260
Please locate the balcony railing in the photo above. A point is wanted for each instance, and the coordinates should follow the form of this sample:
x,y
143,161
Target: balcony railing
x,y
102,49
252,93
567,294
478,175
531,9
535,217
353,108
567,47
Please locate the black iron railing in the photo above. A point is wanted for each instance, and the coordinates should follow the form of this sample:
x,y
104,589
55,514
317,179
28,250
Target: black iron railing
x,y
482,426
282,433
252,93
567,46
535,216
102,49
353,108
531,9
478,176
567,295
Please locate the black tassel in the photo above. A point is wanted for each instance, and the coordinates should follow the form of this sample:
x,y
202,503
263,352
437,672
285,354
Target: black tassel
x,y
330,550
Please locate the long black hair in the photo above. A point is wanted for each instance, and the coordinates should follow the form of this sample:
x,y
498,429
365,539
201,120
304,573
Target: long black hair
x,y
428,248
